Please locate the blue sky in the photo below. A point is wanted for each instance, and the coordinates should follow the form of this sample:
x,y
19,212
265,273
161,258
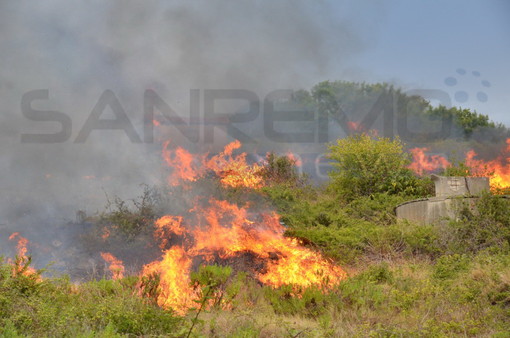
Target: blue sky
x,y
461,47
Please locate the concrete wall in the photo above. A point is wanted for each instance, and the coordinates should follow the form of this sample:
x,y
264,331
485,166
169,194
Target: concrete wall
x,y
433,210
452,193
447,186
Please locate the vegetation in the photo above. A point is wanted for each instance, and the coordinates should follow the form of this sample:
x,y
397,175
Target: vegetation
x,y
344,101
467,120
446,279
366,165
57,307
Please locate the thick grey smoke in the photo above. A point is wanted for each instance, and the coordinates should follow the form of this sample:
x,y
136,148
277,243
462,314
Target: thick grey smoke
x,y
77,50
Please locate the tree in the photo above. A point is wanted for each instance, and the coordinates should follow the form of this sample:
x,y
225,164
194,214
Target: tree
x,y
467,120
366,165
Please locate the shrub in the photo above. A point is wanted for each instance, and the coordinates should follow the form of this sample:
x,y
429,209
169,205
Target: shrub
x,y
366,165
131,220
280,170
447,267
485,226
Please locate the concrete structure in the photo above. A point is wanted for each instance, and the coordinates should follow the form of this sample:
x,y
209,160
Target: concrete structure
x,y
449,186
452,194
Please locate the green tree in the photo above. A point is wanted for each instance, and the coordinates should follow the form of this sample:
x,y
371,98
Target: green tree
x,y
467,120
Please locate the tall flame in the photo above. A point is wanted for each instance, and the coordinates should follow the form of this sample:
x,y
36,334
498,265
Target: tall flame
x,y
426,163
233,170
225,230
184,168
216,229
116,266
497,169
20,266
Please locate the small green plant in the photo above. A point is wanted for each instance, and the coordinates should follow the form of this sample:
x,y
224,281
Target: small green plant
x,y
149,286
211,279
485,225
457,168
447,267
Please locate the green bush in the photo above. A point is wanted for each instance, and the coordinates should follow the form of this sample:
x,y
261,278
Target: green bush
x,y
486,225
378,208
368,165
447,267
55,307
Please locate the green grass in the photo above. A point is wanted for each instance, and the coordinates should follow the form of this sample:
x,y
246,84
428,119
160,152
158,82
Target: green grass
x,y
456,295
57,307
448,279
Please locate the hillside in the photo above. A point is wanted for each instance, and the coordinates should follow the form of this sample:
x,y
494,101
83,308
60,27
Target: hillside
x,y
232,248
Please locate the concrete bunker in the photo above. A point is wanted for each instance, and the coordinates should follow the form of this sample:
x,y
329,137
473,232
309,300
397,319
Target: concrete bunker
x,y
451,193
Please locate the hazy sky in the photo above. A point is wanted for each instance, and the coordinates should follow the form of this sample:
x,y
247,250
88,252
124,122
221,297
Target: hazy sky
x,y
461,47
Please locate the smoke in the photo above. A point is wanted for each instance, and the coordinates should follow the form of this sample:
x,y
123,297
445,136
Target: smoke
x,y
76,51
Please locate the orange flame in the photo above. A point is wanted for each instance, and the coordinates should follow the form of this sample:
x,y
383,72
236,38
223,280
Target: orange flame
x,y
355,126
166,226
175,289
116,267
233,171
497,169
221,230
182,163
227,230
106,233
22,259
426,163
294,158
224,230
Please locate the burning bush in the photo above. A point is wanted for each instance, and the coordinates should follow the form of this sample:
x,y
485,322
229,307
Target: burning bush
x,y
280,170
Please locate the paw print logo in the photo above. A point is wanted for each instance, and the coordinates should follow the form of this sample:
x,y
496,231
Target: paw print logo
x,y
463,75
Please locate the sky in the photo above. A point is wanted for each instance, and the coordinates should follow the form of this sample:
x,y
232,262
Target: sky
x,y
461,47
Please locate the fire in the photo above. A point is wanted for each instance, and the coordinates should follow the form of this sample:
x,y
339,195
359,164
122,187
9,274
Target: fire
x,y
182,163
22,243
497,169
106,233
224,230
233,171
426,163
355,126
167,226
219,230
116,267
173,270
294,158
22,259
